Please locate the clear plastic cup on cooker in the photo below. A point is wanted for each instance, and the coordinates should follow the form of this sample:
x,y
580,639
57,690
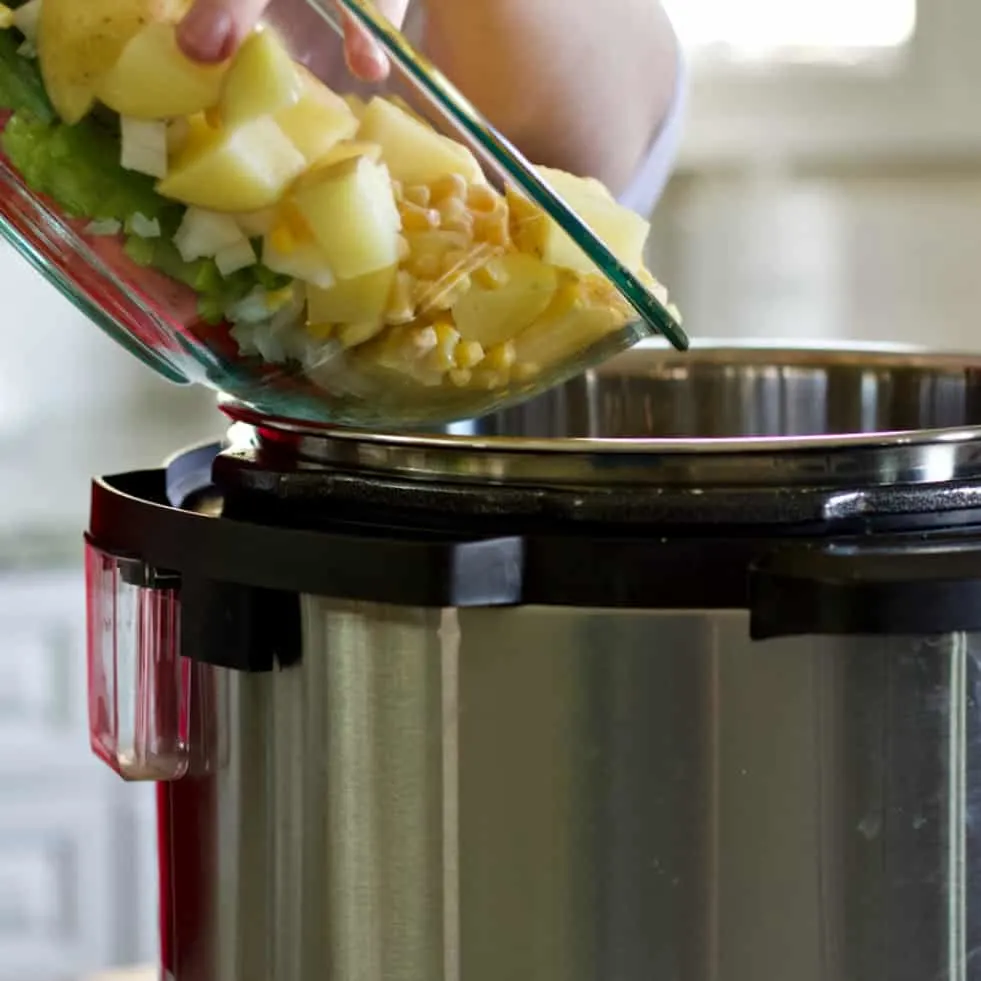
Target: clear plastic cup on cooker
x,y
311,245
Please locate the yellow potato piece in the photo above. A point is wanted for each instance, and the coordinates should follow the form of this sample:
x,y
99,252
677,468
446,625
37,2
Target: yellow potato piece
x,y
569,184
262,80
491,313
414,152
247,168
349,149
188,134
568,327
152,79
351,211
318,120
78,42
623,231
351,301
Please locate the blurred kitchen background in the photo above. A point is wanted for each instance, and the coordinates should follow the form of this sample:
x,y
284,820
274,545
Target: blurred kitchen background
x,y
829,188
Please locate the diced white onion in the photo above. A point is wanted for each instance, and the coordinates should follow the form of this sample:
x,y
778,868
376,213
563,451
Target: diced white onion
x,y
103,226
25,19
26,49
306,262
234,257
251,309
144,146
142,226
203,234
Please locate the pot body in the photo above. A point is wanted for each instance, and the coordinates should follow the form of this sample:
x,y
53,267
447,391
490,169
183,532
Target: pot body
x,y
582,794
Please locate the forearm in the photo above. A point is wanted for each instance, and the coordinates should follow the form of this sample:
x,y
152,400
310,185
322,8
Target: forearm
x,y
576,84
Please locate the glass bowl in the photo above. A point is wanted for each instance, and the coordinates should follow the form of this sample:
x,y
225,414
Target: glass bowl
x,y
311,245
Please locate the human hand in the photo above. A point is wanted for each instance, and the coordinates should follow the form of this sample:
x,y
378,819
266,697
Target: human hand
x,y
213,29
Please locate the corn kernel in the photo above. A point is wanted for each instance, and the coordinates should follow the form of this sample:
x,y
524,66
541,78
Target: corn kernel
x,y
460,377
468,354
452,209
422,340
491,275
449,186
492,229
500,357
400,308
446,333
416,219
6,17
321,332
404,249
441,357
418,194
462,226
483,198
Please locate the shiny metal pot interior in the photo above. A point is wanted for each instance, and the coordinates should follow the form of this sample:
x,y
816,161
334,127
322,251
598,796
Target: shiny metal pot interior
x,y
579,793
754,392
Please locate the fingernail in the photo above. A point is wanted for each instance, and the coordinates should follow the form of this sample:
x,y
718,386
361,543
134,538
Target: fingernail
x,y
207,33
364,57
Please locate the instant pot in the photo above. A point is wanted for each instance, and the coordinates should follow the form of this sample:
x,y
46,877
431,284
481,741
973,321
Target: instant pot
x,y
667,675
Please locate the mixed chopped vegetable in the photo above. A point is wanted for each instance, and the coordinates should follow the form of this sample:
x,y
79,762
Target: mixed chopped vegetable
x,y
335,238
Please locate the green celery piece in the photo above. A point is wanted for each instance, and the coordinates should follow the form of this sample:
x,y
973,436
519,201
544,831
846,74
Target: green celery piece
x,y
78,166
201,275
21,86
140,250
210,310
268,279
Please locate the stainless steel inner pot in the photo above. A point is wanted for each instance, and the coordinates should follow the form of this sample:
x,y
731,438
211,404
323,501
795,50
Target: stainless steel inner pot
x,y
753,392
590,793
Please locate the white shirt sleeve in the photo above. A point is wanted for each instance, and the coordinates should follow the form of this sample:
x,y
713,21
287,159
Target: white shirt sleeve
x,y
648,183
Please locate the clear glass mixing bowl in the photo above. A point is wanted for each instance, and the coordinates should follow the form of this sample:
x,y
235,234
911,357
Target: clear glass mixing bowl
x,y
364,271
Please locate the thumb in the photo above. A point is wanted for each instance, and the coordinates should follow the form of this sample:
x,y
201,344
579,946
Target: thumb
x,y
212,29
365,57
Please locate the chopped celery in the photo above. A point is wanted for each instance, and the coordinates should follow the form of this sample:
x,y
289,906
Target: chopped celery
x,y
21,87
140,250
268,279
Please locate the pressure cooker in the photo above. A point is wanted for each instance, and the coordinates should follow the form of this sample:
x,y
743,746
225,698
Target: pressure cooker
x,y
667,675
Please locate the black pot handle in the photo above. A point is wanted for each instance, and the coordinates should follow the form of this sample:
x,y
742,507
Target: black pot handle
x,y
131,515
893,587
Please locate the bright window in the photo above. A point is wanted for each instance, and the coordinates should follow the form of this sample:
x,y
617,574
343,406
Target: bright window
x,y
792,30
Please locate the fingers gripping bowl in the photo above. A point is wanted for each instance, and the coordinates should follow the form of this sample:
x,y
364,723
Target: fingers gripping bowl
x,y
311,246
